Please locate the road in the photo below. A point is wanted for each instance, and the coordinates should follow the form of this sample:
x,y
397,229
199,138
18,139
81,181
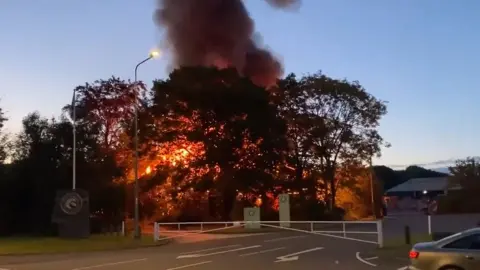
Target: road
x,y
261,251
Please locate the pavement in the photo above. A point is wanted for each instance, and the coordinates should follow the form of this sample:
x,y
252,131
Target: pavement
x,y
282,251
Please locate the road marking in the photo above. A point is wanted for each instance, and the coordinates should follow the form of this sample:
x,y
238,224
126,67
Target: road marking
x,y
293,256
370,258
259,252
109,264
189,265
284,238
403,268
364,261
215,253
208,249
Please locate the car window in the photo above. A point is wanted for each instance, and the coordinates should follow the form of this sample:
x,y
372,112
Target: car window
x,y
468,242
450,237
476,242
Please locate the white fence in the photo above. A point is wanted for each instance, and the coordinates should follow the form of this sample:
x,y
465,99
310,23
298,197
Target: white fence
x,y
195,226
361,231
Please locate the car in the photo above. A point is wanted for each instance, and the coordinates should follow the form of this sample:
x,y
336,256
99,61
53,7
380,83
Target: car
x,y
460,251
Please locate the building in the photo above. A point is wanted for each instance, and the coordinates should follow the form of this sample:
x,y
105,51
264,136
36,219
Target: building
x,y
417,194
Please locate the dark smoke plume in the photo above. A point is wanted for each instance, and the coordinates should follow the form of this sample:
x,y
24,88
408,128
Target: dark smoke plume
x,y
220,33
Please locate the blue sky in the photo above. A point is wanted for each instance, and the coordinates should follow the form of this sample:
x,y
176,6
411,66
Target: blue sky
x,y
420,55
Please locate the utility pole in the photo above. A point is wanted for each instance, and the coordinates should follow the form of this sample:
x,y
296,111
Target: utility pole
x,y
136,221
372,193
74,148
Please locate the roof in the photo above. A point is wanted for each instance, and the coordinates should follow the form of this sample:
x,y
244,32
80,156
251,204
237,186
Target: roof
x,y
421,184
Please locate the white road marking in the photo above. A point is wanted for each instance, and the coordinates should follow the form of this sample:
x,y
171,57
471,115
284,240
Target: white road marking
x,y
208,249
364,261
109,264
189,265
259,252
293,256
371,258
284,238
215,253
403,268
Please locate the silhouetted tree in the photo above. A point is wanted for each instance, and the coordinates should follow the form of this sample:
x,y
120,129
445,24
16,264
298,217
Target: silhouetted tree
x,y
234,121
330,121
466,176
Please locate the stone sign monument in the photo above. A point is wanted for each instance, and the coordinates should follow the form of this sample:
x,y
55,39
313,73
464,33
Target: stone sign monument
x,y
71,213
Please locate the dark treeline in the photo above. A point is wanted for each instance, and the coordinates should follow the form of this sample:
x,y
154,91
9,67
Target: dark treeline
x,y
211,143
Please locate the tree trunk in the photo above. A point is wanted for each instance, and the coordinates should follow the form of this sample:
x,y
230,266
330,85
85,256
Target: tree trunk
x,y
330,180
229,196
333,194
229,193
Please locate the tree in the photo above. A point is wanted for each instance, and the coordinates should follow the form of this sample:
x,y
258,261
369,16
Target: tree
x,y
37,169
291,102
466,176
338,120
231,118
42,164
108,104
354,192
4,177
3,138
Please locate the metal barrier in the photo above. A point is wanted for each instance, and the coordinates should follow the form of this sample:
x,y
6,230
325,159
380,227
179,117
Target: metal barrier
x,y
361,231
200,226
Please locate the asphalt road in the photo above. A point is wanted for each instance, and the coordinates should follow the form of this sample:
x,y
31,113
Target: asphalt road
x,y
260,251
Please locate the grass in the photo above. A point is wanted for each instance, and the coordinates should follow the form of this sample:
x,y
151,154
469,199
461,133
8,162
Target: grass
x,y
51,245
396,247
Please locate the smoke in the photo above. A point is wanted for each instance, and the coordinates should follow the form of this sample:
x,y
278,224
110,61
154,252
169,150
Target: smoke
x,y
219,33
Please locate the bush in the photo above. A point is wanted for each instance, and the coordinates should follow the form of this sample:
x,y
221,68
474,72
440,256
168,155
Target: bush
x,y
458,202
336,214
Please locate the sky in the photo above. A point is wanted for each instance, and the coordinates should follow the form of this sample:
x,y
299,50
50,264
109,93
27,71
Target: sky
x,y
422,56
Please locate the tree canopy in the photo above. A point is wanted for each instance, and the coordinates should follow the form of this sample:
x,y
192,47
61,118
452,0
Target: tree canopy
x,y
211,142
464,184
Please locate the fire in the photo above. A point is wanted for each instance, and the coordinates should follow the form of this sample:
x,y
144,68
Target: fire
x,y
258,202
176,154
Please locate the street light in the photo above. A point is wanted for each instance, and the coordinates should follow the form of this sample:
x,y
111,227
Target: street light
x,y
372,193
74,148
153,54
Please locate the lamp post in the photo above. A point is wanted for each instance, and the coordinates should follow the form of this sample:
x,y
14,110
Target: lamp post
x,y
372,193
74,148
137,235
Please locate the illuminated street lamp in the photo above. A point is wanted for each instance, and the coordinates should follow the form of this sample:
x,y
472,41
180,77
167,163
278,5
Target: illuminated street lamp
x,y
153,54
72,120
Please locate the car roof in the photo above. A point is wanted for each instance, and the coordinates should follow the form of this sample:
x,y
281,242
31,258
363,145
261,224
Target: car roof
x,y
456,236
473,230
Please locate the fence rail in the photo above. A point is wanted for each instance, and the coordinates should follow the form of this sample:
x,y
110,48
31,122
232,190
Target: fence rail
x,y
339,229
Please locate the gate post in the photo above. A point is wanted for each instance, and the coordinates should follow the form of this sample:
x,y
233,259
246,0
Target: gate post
x,y
156,231
284,210
251,216
380,233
